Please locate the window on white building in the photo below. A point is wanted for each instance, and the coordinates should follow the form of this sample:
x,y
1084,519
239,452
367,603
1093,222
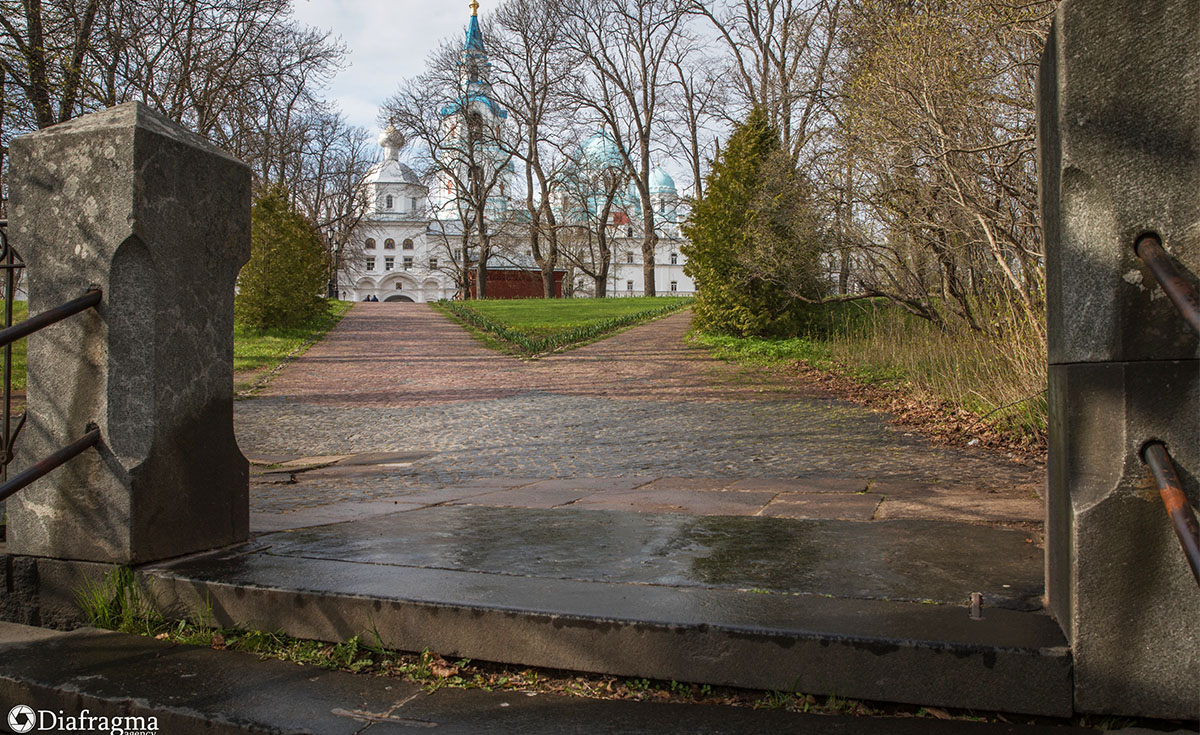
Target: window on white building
x,y
389,244
674,258
414,203
629,232
408,244
370,243
389,201
389,263
629,285
674,285
628,257
433,264
370,264
408,263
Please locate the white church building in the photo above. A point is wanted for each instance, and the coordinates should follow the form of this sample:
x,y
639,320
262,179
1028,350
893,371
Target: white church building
x,y
400,249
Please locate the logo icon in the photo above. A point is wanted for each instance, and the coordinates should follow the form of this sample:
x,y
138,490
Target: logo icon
x,y
21,718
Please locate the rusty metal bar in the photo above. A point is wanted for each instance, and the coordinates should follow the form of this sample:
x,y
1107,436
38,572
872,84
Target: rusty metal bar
x,y
51,463
1182,517
11,263
50,316
1181,292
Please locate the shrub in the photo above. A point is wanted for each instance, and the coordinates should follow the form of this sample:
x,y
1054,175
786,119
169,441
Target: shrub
x,y
751,236
280,286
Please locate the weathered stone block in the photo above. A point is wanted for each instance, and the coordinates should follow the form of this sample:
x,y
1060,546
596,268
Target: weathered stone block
x,y
1119,138
159,219
1117,578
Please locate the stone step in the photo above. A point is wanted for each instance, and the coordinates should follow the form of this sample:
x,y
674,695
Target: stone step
x,y
200,690
572,591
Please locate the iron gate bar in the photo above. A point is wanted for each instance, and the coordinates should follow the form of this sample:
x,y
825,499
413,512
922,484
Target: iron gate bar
x,y
51,463
1149,248
1183,519
10,261
50,316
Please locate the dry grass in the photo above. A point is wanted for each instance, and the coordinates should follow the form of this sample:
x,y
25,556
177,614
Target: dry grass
x,y
1000,377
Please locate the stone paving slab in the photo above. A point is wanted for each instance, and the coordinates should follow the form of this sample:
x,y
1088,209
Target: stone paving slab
x,y
841,507
326,514
901,560
680,501
526,497
954,507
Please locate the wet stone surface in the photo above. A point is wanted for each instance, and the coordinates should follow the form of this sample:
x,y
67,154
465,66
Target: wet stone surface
x,y
924,561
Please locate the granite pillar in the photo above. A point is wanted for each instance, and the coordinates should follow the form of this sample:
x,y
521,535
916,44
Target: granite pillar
x,y
1119,138
159,219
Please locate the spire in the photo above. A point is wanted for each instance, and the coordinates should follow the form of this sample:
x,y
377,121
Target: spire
x,y
474,43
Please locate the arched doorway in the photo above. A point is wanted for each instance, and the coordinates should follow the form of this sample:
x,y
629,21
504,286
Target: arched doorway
x,y
398,297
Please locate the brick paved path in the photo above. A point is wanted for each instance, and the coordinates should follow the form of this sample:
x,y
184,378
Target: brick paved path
x,y
638,407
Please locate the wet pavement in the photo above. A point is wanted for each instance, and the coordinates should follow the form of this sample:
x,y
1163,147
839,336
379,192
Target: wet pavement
x,y
921,561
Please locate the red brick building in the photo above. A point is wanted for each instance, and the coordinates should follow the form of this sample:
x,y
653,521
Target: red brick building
x,y
517,283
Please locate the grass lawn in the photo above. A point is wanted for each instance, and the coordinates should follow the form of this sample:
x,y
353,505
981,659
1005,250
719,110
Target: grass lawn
x,y
536,326
20,311
256,353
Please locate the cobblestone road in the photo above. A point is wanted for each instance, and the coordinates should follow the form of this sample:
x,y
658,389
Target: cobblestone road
x,y
403,378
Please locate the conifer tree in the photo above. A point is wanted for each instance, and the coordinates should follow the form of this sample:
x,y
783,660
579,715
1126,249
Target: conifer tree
x,y
280,286
730,297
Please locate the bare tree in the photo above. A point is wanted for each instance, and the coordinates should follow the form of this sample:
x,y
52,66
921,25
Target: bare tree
x,y
781,54
533,66
43,51
590,194
628,47
451,113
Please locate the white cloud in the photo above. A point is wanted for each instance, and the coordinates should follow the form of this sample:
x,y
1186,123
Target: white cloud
x,y
387,42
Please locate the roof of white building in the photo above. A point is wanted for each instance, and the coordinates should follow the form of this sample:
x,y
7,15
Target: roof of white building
x,y
390,170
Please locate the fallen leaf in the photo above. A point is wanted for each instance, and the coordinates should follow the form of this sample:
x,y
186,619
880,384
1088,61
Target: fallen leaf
x,y
218,641
941,714
442,669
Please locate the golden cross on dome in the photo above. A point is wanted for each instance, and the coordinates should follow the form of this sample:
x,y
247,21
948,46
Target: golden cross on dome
x,y
474,7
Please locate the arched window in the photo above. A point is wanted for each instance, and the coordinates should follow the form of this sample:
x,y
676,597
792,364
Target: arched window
x,y
389,201
408,244
370,243
389,244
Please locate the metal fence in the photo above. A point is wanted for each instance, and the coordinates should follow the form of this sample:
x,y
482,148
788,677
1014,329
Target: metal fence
x,y
1155,453
10,263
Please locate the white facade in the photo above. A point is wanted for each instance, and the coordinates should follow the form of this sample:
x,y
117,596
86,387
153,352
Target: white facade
x,y
393,257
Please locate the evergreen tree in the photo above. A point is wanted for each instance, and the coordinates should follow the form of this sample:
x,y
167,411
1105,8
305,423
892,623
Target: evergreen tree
x,y
731,298
280,286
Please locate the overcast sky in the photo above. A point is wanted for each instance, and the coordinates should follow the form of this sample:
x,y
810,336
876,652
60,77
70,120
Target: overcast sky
x,y
387,41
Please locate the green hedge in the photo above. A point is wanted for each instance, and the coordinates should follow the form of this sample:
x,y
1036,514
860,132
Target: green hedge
x,y
533,346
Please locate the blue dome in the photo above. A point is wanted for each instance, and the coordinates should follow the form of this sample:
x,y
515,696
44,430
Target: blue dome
x,y
661,182
600,152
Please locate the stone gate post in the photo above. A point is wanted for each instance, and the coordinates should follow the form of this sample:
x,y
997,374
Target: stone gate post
x,y
159,219
1119,129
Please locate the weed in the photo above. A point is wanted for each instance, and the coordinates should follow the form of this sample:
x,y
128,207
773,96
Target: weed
x,y
118,603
